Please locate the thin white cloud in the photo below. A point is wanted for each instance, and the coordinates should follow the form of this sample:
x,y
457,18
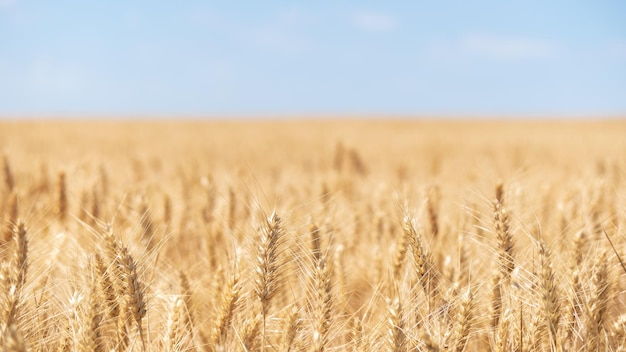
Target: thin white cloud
x,y
277,39
495,47
617,50
373,21
283,32
294,16
206,17
44,76
7,3
132,17
279,31
506,47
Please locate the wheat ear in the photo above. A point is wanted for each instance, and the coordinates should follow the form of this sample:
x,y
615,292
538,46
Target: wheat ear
x,y
12,340
250,334
501,220
463,321
575,304
399,258
135,301
226,312
504,247
428,343
322,304
396,337
356,335
502,334
172,336
597,305
292,328
433,210
92,339
550,296
11,216
62,196
9,181
106,286
426,272
14,276
266,279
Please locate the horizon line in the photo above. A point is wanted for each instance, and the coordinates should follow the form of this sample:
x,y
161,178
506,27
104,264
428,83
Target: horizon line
x,y
307,116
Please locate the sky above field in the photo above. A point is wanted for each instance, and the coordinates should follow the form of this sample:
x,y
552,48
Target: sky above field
x,y
266,57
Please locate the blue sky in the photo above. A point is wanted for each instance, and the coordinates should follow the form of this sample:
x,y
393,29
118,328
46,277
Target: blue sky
x,y
266,57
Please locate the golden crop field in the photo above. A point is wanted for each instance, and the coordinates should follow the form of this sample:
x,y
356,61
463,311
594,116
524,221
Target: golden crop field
x,y
327,235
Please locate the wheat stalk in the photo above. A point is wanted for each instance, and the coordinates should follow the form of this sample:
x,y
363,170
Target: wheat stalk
x,y
550,295
396,337
266,279
323,304
226,311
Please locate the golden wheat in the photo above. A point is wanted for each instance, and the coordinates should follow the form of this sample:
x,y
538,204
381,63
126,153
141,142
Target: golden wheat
x,y
151,236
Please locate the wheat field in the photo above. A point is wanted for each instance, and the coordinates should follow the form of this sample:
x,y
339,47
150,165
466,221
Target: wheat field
x,y
313,235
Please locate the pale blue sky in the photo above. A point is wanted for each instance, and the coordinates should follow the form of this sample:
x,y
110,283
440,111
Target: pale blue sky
x,y
265,57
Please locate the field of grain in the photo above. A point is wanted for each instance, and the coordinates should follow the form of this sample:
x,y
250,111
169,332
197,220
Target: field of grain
x,y
337,235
